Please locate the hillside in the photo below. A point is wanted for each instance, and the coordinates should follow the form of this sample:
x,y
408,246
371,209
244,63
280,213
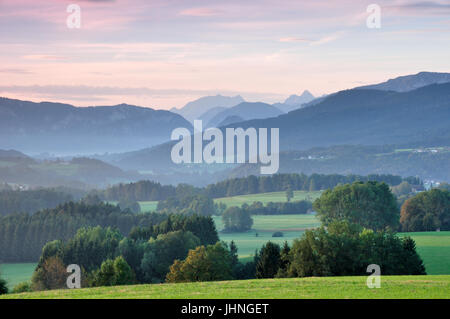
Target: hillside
x,y
412,160
417,287
410,82
367,117
64,129
79,172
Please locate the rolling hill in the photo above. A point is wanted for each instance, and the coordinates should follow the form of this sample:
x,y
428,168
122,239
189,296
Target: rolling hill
x,y
410,82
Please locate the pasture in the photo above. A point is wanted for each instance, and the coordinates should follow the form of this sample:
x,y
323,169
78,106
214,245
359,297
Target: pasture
x,y
267,197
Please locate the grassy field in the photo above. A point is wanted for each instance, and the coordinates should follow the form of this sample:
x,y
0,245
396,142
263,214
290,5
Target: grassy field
x,y
16,273
148,206
264,226
434,248
267,197
295,288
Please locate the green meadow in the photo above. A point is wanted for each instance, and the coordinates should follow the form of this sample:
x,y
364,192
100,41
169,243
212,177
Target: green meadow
x,y
434,248
148,206
292,226
267,197
417,287
16,273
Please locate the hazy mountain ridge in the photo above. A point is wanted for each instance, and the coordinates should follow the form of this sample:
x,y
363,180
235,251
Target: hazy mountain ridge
x,y
246,111
410,82
368,117
56,127
352,117
193,110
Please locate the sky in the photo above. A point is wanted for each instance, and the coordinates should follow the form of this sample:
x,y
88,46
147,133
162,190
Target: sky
x,y
165,53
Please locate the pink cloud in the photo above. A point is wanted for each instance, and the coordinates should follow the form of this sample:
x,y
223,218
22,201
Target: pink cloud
x,y
200,12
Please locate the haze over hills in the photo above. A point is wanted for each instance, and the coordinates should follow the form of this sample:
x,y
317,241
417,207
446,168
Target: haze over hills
x,y
81,172
245,111
351,117
410,82
65,129
193,110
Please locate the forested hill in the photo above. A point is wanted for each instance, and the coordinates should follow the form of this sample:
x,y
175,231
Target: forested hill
x,y
366,117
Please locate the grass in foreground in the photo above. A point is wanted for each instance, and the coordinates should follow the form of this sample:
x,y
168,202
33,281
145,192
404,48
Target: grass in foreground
x,y
392,287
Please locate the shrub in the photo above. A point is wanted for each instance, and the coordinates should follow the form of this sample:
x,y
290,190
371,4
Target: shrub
x,y
22,287
278,234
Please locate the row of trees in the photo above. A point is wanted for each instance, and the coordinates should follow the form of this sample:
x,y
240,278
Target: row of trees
x,y
341,249
188,205
282,182
22,236
278,208
148,190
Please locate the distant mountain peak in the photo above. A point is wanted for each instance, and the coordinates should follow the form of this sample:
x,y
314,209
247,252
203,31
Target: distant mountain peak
x,y
195,109
305,97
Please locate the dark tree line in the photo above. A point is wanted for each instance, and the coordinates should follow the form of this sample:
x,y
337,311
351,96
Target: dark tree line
x,y
30,201
148,190
278,208
22,236
188,205
282,182
145,191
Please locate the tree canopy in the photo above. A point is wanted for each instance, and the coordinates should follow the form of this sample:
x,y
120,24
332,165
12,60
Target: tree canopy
x,y
370,204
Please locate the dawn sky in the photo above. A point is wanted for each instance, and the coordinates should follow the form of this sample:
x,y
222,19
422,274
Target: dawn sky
x,y
165,53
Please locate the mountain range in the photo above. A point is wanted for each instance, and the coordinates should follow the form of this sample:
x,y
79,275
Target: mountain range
x,y
368,117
